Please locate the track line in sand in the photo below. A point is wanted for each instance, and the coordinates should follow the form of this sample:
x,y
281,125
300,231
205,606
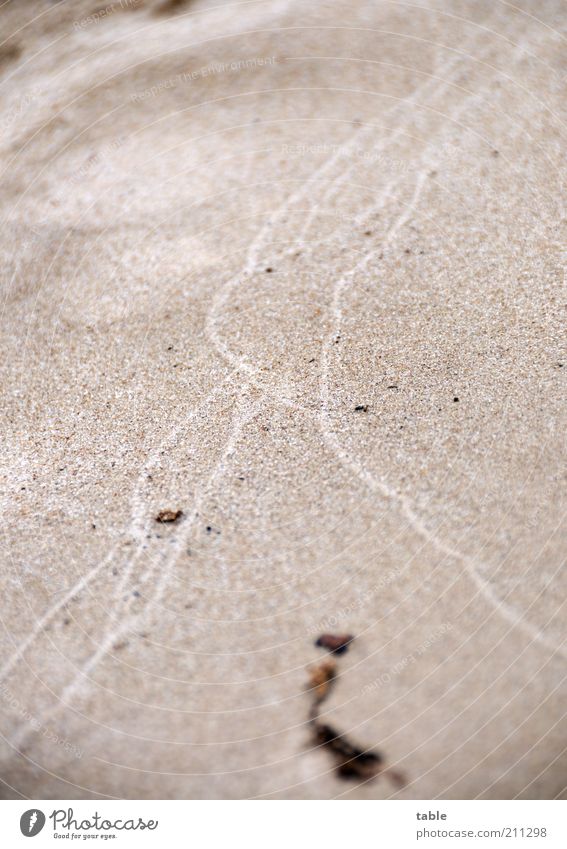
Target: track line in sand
x,y
259,242
471,566
138,511
138,514
82,679
86,579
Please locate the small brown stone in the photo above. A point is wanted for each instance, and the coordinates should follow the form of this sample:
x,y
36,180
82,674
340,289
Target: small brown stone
x,y
321,678
335,643
168,516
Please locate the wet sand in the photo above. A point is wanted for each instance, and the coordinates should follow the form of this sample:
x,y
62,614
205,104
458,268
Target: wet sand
x,y
298,271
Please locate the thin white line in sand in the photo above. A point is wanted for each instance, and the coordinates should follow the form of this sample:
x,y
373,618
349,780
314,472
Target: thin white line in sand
x,y
252,254
223,295
438,83
336,184
471,567
138,511
257,243
512,616
240,421
147,574
84,580
82,679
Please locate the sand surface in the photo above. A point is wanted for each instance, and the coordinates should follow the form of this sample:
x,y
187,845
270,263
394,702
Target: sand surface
x,y
225,226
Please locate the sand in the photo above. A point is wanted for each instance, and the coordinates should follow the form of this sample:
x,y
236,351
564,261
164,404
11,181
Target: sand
x,y
297,270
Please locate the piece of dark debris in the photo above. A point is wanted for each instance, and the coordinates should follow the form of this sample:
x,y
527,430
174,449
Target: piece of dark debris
x,y
351,761
455,400
168,516
392,386
321,679
335,643
368,232
361,408
269,270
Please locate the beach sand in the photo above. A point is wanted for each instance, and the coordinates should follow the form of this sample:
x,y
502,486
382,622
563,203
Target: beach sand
x,y
296,269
